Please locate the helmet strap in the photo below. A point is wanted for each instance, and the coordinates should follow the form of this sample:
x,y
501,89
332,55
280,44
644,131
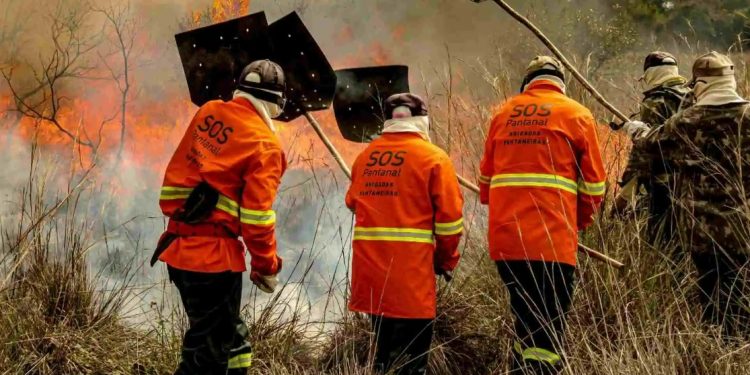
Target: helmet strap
x,y
264,95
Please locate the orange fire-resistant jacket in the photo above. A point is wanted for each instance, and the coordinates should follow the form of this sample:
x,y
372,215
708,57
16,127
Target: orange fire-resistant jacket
x,y
407,204
228,146
542,176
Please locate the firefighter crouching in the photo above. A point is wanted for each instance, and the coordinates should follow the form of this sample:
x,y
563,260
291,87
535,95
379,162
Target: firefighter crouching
x,y
408,210
543,178
219,185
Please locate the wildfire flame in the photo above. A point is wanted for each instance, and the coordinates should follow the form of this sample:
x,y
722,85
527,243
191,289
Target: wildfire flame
x,y
222,10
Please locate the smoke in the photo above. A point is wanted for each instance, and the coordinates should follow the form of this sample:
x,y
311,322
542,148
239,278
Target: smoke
x,y
418,33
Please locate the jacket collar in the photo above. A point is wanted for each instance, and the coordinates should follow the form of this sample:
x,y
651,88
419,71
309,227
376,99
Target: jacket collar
x,y
417,124
245,102
403,135
543,84
249,101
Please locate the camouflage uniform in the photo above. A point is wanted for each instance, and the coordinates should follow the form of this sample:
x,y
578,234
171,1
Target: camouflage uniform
x,y
658,105
708,148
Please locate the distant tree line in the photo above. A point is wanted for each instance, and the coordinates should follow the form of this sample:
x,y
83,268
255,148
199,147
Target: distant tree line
x,y
717,21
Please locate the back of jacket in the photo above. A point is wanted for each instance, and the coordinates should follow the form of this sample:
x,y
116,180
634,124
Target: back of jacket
x,y
408,209
708,147
542,176
228,146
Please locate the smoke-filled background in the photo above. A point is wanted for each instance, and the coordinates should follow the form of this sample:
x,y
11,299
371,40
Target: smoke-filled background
x,y
93,101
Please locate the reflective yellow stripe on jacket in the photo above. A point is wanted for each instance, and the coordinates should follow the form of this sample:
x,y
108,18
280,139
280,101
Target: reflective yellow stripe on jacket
x,y
173,192
535,180
536,354
246,216
549,181
240,361
227,205
257,217
592,188
393,234
447,229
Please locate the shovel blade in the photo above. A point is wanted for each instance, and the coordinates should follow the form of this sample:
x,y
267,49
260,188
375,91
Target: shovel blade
x,y
213,56
310,80
360,97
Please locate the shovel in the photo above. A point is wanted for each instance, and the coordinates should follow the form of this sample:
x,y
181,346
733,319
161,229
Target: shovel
x,y
213,56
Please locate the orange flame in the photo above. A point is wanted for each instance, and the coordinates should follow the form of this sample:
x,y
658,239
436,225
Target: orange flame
x,y
227,9
221,10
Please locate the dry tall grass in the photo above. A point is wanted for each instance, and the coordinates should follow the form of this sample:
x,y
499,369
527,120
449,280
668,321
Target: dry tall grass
x,y
640,320
54,319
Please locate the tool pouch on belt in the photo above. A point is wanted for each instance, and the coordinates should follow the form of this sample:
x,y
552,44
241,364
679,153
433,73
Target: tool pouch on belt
x,y
198,205
197,208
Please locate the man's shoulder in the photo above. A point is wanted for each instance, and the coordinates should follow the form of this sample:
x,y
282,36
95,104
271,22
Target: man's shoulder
x,y
570,112
665,97
693,114
437,153
414,144
734,113
230,109
212,105
679,90
727,110
680,121
255,134
653,100
576,108
696,120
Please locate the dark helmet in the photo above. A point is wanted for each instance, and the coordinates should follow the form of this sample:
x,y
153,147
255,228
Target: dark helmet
x,y
543,65
658,58
415,104
262,79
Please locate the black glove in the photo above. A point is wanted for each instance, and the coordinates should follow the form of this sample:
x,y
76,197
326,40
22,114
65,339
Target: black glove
x,y
446,275
165,240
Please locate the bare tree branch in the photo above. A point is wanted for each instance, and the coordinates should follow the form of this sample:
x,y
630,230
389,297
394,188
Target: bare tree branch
x,y
123,28
44,99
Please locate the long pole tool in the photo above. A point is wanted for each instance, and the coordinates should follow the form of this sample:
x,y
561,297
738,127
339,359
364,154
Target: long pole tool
x,y
556,51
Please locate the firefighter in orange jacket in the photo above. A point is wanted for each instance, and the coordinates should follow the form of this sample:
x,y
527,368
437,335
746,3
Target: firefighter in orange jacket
x,y
543,178
220,184
407,204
